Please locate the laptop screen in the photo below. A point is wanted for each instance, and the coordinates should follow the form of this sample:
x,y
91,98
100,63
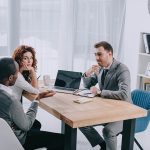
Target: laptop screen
x,y
68,79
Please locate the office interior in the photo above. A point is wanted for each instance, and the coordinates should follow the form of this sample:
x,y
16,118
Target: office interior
x,y
64,32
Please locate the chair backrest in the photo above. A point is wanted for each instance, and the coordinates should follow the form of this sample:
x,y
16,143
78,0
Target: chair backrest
x,y
8,140
141,98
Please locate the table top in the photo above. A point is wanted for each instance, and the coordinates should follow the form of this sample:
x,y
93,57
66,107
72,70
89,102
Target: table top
x,y
98,111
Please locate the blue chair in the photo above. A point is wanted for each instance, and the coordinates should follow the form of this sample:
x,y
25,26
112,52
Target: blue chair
x,y
141,98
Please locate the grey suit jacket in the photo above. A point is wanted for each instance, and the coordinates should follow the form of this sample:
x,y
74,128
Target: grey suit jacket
x,y
12,111
116,83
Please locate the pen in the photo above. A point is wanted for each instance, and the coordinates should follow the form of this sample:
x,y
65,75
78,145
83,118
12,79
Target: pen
x,y
38,76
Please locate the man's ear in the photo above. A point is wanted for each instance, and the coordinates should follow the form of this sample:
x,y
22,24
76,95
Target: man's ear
x,y
10,78
110,53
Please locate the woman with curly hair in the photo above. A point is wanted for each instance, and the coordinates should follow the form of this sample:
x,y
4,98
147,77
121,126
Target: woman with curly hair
x,y
25,57
27,80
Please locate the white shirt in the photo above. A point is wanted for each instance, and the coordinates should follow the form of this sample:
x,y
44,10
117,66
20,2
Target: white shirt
x,y
22,85
6,89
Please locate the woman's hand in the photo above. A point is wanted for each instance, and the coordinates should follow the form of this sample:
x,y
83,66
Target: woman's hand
x,y
32,74
25,67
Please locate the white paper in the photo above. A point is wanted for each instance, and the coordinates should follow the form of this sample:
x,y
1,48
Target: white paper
x,y
85,93
82,100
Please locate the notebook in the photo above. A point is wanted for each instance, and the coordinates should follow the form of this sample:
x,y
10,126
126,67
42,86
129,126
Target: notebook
x,y
67,81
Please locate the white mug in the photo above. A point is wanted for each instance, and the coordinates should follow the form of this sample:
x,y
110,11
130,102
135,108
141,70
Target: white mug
x,y
46,80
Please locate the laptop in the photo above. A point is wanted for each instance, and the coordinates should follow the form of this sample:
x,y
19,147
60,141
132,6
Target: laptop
x,y
67,81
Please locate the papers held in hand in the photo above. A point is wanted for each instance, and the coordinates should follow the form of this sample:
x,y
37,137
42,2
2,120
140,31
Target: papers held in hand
x,y
84,92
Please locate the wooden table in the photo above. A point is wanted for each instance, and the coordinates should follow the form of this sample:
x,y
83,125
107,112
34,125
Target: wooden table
x,y
99,111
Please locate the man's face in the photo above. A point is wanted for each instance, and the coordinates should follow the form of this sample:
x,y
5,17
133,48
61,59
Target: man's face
x,y
27,59
103,57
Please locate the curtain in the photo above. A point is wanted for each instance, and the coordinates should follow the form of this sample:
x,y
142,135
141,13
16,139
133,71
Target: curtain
x,y
63,32
39,28
100,20
3,27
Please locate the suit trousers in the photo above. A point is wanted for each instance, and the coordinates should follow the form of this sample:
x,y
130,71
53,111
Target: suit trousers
x,y
36,125
110,132
38,139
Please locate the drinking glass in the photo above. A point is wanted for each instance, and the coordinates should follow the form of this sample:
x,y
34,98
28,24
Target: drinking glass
x,y
46,80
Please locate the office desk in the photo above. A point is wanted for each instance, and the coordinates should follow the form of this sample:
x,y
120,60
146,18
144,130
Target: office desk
x,y
99,111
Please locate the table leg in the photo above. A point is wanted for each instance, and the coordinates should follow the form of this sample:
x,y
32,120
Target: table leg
x,y
62,127
70,138
128,134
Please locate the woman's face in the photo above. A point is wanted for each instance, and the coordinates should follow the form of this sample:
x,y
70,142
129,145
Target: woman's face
x,y
27,59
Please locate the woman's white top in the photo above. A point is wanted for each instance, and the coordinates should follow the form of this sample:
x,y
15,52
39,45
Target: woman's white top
x,y
22,85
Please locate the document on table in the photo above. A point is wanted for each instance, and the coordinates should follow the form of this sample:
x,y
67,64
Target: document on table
x,y
82,100
85,93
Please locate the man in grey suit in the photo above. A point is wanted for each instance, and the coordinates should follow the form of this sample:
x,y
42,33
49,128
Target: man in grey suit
x,y
12,112
113,79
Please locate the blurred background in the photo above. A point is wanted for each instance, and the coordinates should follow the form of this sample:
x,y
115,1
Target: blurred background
x,y
63,32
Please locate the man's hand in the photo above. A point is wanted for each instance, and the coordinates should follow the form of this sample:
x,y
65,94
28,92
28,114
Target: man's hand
x,y
95,90
45,94
93,69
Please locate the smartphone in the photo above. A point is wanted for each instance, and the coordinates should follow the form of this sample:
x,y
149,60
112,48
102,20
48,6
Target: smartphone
x,y
25,74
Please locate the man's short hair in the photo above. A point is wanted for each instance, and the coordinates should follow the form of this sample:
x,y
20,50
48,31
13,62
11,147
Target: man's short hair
x,y
7,68
105,45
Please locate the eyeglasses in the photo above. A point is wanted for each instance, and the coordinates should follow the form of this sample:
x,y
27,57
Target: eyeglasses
x,y
97,54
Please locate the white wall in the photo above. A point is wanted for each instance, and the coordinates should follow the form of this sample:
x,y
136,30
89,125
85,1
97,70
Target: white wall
x,y
137,20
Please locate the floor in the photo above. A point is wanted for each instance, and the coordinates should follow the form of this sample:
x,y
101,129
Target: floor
x,y
50,123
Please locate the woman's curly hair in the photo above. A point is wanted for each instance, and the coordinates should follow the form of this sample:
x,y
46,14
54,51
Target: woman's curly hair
x,y
18,55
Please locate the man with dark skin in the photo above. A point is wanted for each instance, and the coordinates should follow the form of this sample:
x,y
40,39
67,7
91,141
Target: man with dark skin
x,y
12,112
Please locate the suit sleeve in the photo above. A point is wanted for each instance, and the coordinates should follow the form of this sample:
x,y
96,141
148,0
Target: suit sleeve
x,y
90,81
123,81
23,121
